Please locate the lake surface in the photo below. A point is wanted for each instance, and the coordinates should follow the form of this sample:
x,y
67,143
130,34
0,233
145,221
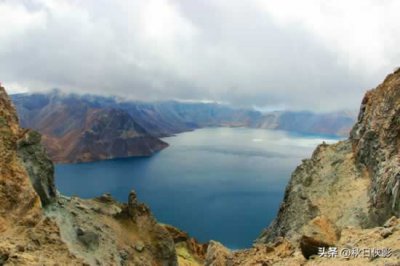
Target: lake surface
x,y
224,184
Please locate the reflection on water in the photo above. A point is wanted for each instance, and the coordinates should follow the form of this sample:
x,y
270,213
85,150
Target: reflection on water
x,y
224,184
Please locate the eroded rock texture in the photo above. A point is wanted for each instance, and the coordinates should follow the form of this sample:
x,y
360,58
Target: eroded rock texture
x,y
37,164
27,237
352,183
376,144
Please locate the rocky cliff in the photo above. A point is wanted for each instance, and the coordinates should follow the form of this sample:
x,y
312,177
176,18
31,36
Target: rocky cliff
x,y
40,227
27,236
346,196
354,182
375,141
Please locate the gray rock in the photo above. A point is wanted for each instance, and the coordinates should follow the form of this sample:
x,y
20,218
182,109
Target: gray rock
x,y
123,254
38,165
88,238
391,222
139,247
217,254
375,143
106,198
385,232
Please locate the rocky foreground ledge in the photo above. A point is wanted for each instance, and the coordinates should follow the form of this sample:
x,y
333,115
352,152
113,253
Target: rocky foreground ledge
x,y
355,247
341,206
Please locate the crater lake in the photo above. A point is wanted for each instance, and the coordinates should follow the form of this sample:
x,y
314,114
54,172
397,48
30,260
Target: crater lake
x,y
224,184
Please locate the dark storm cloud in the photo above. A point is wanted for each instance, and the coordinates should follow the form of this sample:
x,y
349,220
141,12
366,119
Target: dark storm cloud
x,y
250,53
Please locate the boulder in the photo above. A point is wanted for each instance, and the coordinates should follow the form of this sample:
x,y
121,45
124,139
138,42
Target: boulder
x,y
310,246
88,238
217,255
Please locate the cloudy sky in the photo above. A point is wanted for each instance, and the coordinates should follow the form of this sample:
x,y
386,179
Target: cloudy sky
x,y
309,54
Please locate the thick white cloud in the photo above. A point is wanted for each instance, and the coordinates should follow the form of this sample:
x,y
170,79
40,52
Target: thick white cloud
x,y
362,33
310,54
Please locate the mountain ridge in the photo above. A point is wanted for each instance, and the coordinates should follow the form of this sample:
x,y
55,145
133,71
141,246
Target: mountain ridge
x,y
63,120
77,131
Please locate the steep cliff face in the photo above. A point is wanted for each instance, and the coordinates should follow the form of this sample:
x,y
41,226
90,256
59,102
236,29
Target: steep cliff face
x,y
351,183
376,144
39,227
37,164
328,185
27,237
17,195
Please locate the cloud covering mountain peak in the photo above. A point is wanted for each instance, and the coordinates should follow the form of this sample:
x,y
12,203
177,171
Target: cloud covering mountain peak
x,y
316,56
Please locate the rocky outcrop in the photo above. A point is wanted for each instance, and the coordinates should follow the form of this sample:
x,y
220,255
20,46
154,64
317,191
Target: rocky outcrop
x,y
17,147
27,237
357,247
376,144
328,185
189,251
36,162
218,255
103,231
352,183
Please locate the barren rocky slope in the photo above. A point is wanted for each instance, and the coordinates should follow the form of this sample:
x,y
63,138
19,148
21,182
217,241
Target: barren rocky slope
x,y
79,131
356,247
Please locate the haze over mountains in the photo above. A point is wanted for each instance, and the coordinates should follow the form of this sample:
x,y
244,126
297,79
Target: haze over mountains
x,y
297,54
87,128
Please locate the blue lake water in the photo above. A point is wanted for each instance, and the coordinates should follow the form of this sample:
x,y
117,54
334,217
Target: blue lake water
x,y
224,184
